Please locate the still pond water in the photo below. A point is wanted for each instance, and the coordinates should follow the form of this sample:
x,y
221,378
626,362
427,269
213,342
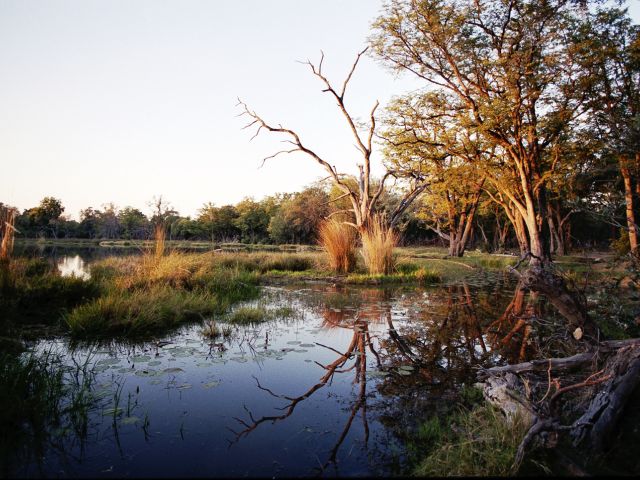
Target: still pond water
x,y
332,386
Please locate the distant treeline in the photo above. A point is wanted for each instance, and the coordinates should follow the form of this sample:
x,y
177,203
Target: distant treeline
x,y
283,218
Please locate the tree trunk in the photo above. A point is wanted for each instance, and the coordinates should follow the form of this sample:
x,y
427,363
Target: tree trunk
x,y
628,197
521,234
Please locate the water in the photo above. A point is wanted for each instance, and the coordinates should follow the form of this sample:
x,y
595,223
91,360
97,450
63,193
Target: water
x,y
73,260
331,389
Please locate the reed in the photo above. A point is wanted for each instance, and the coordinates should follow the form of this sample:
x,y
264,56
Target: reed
x,y
378,242
339,242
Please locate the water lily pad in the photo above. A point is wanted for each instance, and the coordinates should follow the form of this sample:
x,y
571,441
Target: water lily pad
x,y
307,345
293,342
301,350
238,359
129,420
112,411
155,363
185,386
155,381
109,361
213,384
101,394
172,370
376,374
403,372
204,364
146,373
141,358
408,368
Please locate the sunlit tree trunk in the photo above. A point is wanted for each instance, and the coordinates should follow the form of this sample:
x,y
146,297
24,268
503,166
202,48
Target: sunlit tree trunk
x,y
628,197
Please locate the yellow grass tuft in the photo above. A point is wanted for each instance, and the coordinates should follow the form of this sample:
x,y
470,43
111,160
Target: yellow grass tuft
x,y
378,242
339,241
160,241
7,231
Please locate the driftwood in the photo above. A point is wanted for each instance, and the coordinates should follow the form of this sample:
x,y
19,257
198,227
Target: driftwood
x,y
511,388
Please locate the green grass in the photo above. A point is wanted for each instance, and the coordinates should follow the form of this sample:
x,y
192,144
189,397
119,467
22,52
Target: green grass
x,y
476,442
212,330
39,397
420,275
141,312
249,315
37,293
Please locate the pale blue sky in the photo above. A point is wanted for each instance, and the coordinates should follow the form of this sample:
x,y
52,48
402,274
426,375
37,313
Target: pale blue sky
x,y
118,101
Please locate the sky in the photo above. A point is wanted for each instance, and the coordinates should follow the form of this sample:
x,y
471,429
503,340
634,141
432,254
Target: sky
x,y
120,101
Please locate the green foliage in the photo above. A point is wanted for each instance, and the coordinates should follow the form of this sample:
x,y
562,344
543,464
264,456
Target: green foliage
x,y
621,245
298,217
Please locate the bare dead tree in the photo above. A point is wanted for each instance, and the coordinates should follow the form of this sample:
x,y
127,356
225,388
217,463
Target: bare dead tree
x,y
361,192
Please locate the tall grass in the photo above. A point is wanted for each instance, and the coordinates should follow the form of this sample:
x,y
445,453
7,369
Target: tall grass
x,y
160,241
141,312
42,403
7,232
378,242
477,442
339,241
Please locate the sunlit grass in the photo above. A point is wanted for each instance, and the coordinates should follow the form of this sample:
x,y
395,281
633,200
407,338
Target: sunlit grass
x,y
339,242
476,442
378,242
141,312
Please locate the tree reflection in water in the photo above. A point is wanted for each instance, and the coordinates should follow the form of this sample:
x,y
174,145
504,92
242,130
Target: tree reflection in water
x,y
356,352
430,349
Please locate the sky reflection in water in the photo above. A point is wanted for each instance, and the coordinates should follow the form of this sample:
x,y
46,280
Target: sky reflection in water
x,y
325,392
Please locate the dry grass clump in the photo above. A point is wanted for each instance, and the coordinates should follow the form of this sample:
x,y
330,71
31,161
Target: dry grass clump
x,y
378,242
7,232
339,241
160,241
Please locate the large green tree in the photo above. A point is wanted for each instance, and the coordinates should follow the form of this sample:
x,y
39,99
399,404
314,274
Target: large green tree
x,y
611,54
509,66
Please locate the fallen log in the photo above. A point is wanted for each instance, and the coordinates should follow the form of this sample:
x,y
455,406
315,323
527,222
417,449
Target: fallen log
x,y
511,389
595,426
554,364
